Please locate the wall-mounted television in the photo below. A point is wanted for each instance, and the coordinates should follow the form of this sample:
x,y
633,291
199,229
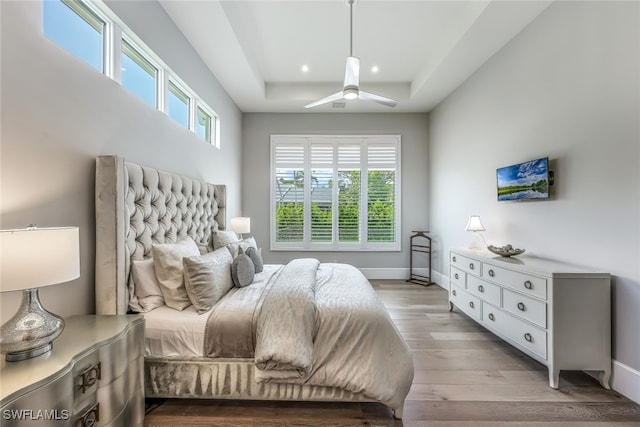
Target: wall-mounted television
x,y
523,181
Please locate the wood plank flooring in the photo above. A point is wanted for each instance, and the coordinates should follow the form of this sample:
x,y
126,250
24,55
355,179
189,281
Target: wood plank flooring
x,y
464,376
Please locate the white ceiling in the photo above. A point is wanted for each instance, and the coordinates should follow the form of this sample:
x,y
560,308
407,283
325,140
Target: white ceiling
x,y
424,49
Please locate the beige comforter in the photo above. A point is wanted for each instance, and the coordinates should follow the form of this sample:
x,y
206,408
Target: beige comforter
x,y
323,324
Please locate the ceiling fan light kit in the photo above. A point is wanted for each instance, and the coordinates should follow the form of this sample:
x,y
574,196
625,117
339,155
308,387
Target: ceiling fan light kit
x,y
350,92
351,88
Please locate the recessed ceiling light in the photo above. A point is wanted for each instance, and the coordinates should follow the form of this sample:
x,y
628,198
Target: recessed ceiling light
x,y
305,68
375,69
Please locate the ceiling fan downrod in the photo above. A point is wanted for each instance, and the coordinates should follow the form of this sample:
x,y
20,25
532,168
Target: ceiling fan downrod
x,y
351,3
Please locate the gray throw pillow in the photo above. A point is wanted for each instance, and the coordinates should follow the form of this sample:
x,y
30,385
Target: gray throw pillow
x,y
256,258
207,278
242,270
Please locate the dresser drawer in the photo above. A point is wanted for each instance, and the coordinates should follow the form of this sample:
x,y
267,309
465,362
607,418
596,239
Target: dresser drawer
x,y
458,277
484,290
531,285
465,302
526,335
466,264
101,366
526,307
87,376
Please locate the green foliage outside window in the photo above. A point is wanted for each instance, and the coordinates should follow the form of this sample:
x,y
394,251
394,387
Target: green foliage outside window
x,y
380,211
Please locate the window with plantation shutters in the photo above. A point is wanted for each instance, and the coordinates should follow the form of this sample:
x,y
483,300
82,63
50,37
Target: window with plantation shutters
x,y
335,192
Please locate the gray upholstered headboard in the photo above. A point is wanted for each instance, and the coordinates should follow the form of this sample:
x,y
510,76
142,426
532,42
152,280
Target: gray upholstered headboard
x,y
137,206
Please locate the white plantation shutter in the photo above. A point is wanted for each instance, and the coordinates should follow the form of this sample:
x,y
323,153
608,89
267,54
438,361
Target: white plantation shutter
x,y
335,192
382,163
349,191
288,190
321,196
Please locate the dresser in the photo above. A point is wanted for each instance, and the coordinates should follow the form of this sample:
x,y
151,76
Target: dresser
x,y
93,376
556,313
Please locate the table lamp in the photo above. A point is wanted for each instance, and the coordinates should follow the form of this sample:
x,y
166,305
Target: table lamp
x,y
240,225
475,225
32,258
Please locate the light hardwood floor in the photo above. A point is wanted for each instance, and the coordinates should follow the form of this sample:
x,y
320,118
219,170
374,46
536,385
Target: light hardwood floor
x,y
464,376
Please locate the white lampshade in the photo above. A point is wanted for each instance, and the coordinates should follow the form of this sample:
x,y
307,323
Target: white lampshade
x,y
240,225
474,224
36,257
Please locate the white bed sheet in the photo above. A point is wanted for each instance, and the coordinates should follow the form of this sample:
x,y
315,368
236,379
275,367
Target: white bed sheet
x,y
173,333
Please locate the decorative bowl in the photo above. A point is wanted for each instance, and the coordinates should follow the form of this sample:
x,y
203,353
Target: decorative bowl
x,y
505,251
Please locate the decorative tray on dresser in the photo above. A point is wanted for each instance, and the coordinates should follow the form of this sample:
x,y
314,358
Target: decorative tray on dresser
x,y
556,313
93,376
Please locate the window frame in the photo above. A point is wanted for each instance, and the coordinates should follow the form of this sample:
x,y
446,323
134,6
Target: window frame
x,y
146,61
365,141
171,82
91,16
115,31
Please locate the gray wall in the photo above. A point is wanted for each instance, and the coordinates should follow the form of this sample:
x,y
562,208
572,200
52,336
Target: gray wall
x,y
59,113
257,129
566,87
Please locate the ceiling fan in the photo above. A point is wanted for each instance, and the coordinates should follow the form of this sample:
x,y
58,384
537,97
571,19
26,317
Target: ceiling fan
x,y
351,88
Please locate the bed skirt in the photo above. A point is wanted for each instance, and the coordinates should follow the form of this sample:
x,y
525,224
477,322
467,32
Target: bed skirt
x,y
203,378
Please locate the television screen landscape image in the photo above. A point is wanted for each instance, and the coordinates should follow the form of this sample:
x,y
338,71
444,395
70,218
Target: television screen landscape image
x,y
528,180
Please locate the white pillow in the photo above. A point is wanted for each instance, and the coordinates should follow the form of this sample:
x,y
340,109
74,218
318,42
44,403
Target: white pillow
x,y
167,261
144,289
228,239
207,278
247,243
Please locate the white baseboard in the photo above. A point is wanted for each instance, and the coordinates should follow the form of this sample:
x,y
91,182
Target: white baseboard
x,y
626,380
403,274
389,273
440,279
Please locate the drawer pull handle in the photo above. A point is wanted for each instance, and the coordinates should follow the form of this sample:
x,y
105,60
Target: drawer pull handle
x,y
454,292
480,288
453,259
492,317
471,266
90,376
471,304
492,273
91,417
456,276
528,337
521,306
528,284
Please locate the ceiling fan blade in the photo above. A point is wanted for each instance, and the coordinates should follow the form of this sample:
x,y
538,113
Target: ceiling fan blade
x,y
352,72
336,96
377,98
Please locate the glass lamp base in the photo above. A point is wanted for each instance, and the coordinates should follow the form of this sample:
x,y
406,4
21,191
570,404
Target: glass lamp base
x,y
17,356
30,331
475,243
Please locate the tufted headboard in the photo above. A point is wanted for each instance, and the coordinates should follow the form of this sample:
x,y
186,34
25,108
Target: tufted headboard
x,y
137,206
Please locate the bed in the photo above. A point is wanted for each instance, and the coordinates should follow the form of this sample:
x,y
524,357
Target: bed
x,y
339,343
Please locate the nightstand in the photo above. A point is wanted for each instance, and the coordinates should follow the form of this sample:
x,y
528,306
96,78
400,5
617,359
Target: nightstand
x,y
93,376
